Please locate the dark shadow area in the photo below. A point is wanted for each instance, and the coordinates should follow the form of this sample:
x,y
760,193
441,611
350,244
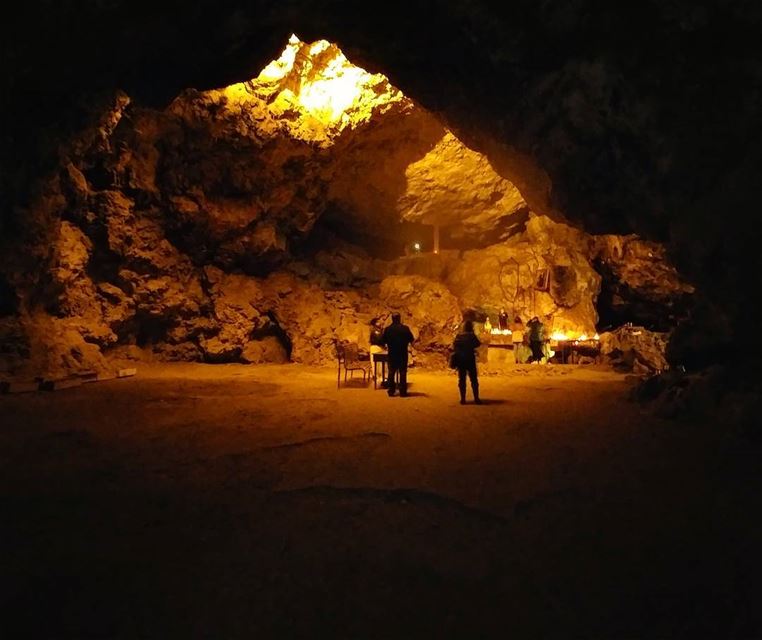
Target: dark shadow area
x,y
8,299
276,330
619,304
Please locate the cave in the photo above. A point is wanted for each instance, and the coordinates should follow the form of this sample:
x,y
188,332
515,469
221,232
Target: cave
x,y
183,231
198,220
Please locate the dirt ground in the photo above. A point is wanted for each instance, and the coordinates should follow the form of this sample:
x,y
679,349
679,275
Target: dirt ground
x,y
237,501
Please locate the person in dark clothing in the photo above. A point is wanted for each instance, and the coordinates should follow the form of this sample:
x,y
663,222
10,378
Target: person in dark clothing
x,y
464,348
397,337
536,339
502,320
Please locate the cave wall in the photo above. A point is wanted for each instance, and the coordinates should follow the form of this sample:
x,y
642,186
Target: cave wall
x,y
622,150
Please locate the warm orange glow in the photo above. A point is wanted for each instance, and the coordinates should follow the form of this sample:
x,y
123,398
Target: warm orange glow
x,y
501,332
561,336
337,88
277,69
323,83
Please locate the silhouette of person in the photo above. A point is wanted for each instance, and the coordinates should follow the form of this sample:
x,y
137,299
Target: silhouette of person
x,y
536,339
397,337
464,348
502,320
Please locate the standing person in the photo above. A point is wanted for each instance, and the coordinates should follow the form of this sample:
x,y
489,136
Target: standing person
x,y
397,337
376,343
502,319
536,339
464,348
517,337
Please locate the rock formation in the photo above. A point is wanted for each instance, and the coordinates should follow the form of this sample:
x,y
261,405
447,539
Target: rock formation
x,y
636,349
261,222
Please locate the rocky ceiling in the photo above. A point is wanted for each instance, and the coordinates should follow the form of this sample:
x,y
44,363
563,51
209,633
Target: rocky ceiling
x,y
325,135
639,118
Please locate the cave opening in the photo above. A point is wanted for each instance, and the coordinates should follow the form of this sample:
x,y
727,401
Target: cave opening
x,y
312,185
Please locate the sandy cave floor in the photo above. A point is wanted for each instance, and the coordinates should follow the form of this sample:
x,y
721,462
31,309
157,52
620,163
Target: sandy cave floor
x,y
241,501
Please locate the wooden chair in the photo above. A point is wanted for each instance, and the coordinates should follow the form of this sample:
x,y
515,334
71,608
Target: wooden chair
x,y
348,359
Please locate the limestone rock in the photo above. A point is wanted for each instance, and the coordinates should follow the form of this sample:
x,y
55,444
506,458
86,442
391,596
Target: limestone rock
x,y
235,299
78,297
267,350
639,282
314,319
246,223
57,349
635,349
428,307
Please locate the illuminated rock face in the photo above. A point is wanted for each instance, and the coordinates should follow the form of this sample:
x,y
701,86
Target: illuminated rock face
x,y
545,271
200,231
246,171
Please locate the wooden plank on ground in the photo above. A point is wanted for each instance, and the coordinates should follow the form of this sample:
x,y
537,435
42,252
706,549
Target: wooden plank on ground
x,y
126,373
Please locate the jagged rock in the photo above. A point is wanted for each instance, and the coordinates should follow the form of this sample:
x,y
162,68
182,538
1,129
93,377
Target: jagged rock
x,y
639,283
269,349
248,169
271,177
635,349
78,297
235,300
56,349
314,319
428,307
345,266
434,266
74,185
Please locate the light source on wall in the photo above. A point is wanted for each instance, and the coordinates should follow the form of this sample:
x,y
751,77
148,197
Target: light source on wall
x,y
417,247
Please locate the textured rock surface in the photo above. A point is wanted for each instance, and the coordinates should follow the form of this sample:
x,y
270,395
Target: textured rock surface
x,y
43,346
635,136
639,283
244,172
545,271
430,309
241,224
635,349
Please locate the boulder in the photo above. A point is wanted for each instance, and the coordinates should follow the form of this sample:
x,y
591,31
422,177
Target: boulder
x,y
56,349
635,349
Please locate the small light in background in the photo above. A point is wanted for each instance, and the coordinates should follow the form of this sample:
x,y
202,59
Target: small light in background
x,y
417,246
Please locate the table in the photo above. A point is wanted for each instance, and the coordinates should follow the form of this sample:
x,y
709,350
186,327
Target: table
x,y
383,358
570,351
